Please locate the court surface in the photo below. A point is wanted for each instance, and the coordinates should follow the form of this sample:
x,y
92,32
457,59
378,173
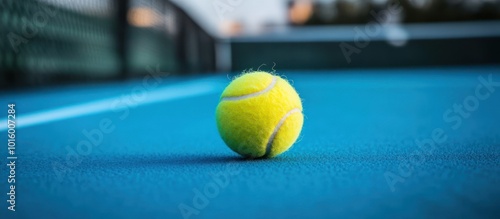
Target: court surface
x,y
154,147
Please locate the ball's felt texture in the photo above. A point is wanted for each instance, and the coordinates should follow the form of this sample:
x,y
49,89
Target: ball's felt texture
x,y
259,115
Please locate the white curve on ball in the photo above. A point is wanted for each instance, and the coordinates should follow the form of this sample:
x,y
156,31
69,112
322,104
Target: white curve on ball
x,y
277,128
267,89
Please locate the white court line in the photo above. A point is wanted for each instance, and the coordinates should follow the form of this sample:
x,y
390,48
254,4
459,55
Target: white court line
x,y
94,107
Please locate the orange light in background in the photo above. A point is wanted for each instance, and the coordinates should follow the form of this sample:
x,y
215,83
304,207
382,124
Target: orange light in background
x,y
231,28
300,11
143,17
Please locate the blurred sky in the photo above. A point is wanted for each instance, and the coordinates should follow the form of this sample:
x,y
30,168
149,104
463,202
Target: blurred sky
x,y
220,17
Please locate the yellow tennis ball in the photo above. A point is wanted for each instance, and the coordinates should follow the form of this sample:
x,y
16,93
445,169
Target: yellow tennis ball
x,y
259,115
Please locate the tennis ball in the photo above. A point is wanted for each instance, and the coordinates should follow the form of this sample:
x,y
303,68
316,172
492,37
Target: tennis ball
x,y
259,115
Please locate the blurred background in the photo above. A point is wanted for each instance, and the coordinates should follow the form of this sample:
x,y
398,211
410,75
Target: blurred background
x,y
47,42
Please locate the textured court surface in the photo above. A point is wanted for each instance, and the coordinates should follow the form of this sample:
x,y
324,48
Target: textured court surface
x,y
359,125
